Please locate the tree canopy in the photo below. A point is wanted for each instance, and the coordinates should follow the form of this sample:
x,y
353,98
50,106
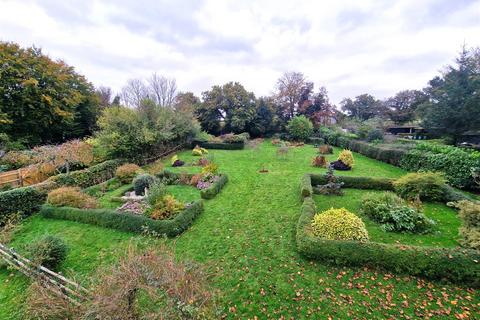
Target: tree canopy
x,y
42,100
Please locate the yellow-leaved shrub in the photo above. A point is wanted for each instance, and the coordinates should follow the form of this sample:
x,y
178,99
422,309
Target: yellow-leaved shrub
x,y
339,224
346,157
71,197
126,172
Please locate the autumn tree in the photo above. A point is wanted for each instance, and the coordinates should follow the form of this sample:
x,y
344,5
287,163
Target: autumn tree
x,y
186,102
316,106
42,100
289,89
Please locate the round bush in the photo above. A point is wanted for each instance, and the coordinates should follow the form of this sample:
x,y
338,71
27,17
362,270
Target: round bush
x,y
125,173
300,128
339,224
71,197
426,185
48,251
143,181
375,135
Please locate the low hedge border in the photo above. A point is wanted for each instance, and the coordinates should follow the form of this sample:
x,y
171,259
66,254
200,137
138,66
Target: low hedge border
x,y
127,222
455,265
208,193
219,145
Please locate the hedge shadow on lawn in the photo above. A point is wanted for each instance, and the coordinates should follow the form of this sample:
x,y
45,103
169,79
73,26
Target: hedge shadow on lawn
x,y
455,265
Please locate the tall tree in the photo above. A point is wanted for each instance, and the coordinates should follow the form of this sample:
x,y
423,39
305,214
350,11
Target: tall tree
x,y
266,121
186,102
226,108
401,108
42,100
134,92
104,95
290,87
316,107
364,107
454,97
163,90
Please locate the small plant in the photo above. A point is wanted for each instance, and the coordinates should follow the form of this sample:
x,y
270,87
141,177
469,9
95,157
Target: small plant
x,y
142,182
48,251
173,159
211,168
393,213
206,181
202,162
425,185
178,163
319,161
198,151
155,168
325,149
125,173
71,197
346,157
339,224
332,187
155,193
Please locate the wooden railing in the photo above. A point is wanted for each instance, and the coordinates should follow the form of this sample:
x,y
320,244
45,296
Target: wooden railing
x,y
55,282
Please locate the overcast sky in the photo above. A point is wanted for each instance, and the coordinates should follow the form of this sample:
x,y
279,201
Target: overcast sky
x,y
350,47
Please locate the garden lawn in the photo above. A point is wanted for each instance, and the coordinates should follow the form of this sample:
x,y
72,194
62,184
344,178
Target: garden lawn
x,y
445,233
246,237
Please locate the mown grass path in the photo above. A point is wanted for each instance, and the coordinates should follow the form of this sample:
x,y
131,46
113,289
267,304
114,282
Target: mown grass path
x,y
246,237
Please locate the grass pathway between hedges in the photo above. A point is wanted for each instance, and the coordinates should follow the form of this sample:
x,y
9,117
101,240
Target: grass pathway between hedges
x,y
246,237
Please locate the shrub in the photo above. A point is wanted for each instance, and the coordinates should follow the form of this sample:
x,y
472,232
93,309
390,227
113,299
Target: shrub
x,y
48,251
23,201
142,182
393,214
325,149
319,161
195,179
332,187
346,157
198,151
470,230
155,193
214,188
126,172
178,163
211,168
375,135
173,159
339,224
155,168
339,165
71,197
306,186
300,128
165,208
426,185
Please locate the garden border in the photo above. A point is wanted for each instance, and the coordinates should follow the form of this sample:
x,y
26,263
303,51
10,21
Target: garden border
x,y
457,266
208,193
112,219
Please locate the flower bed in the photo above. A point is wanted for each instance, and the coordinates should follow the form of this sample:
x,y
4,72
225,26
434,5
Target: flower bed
x,y
455,265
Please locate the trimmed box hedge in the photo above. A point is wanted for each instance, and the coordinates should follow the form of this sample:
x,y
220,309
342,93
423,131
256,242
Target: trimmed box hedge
x,y
219,145
455,265
89,176
127,222
24,201
208,193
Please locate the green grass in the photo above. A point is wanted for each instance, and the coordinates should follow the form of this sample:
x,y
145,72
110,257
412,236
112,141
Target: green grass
x,y
246,238
444,235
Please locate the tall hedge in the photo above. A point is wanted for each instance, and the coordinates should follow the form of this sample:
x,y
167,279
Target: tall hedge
x,y
24,201
125,221
219,145
90,176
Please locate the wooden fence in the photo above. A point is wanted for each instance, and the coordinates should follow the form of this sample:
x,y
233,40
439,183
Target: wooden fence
x,y
13,178
53,281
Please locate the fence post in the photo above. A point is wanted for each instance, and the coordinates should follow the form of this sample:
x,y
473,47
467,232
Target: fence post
x,y
20,178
